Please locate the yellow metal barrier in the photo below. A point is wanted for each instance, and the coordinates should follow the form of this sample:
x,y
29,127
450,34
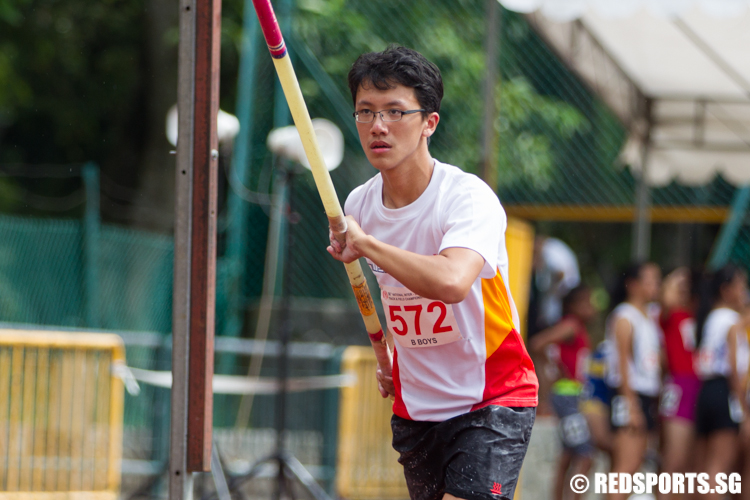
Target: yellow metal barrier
x,y
61,411
519,240
367,466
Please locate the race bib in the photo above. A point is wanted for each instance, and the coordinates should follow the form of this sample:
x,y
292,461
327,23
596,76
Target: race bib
x,y
620,411
418,322
670,400
735,410
574,430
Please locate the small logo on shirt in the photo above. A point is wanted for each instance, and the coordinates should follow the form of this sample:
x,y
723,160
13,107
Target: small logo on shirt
x,y
496,489
375,267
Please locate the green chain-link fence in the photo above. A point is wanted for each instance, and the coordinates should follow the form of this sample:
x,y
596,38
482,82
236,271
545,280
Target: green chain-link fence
x,y
43,276
557,144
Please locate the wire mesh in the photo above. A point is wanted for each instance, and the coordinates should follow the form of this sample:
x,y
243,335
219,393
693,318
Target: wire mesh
x,y
557,143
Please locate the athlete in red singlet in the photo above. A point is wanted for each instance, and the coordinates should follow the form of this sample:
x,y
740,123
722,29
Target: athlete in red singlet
x,y
567,345
680,392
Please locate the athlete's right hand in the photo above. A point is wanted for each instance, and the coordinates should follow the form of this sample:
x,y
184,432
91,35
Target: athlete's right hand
x,y
354,237
385,384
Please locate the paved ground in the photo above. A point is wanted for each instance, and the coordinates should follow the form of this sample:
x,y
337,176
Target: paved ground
x,y
537,476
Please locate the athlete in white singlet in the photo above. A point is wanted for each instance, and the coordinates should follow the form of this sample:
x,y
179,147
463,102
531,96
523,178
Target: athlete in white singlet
x,y
633,368
465,388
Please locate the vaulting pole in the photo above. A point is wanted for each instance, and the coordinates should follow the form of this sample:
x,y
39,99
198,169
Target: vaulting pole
x,y
327,192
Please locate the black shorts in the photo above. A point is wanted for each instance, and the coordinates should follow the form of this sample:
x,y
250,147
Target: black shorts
x,y
712,411
477,455
572,426
619,412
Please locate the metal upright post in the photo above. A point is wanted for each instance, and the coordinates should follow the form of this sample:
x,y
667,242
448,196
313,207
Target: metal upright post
x,y
180,480
203,235
641,248
195,244
91,244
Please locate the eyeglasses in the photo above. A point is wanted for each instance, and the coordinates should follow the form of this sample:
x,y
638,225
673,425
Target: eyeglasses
x,y
387,115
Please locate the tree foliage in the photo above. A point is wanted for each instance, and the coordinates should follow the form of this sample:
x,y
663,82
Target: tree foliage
x,y
451,34
75,80
70,79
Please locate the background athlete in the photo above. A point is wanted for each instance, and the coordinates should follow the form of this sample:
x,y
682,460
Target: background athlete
x,y
464,385
568,345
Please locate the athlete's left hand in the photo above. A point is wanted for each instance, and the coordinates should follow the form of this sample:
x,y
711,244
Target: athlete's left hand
x,y
385,384
354,237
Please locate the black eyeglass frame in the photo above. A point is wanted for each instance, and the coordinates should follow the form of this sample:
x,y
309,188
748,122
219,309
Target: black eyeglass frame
x,y
374,113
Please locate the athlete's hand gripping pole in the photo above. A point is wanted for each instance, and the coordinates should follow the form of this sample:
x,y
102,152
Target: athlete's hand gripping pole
x,y
301,116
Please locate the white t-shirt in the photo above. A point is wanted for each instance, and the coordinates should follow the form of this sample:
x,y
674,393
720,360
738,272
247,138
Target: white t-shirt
x,y
644,371
713,354
450,358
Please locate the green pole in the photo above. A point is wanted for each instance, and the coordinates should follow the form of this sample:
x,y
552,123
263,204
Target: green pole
x,y
281,118
341,103
91,230
728,234
273,270
241,163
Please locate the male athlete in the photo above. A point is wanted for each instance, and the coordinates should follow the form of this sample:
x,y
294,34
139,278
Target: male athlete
x,y
465,388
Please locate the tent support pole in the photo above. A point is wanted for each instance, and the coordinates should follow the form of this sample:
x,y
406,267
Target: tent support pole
x,y
489,135
641,248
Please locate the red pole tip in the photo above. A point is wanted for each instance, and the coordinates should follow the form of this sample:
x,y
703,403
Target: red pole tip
x,y
376,337
270,27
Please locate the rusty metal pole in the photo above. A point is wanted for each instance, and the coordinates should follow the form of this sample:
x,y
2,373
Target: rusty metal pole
x,y
195,244
203,237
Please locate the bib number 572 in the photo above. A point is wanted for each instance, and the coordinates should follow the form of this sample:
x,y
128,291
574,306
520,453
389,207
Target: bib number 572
x,y
396,316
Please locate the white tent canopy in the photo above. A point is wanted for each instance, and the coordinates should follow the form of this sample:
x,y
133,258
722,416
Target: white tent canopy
x,y
676,73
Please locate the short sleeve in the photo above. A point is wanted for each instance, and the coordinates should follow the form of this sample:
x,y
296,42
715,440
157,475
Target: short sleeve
x,y
353,203
473,218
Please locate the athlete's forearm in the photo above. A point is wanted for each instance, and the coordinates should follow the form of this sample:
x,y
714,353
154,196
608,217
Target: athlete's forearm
x,y
559,332
624,339
437,277
735,384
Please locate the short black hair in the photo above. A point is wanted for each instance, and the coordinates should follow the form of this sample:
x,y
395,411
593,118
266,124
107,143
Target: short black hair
x,y
399,65
630,273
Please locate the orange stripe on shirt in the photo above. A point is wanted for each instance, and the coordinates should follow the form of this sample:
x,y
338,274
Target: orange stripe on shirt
x,y
498,318
510,379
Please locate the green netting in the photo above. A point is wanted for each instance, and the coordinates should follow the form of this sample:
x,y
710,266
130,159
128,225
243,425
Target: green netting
x,y
558,144
43,276
41,265
741,249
